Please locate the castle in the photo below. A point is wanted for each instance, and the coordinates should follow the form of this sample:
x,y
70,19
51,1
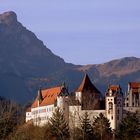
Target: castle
x,y
87,98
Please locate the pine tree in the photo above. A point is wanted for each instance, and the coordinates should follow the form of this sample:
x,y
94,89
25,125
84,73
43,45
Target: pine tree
x,y
101,127
86,127
58,125
129,128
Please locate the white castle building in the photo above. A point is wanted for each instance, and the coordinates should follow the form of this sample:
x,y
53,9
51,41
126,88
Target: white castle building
x,y
87,98
132,98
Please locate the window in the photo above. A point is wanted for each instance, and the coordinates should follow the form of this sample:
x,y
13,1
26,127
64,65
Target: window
x,y
111,117
127,105
118,111
118,103
42,110
110,105
115,101
35,112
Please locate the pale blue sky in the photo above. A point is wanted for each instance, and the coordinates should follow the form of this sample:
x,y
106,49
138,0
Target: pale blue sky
x,y
82,31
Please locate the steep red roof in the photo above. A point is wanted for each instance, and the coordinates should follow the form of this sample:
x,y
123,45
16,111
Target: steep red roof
x,y
134,84
114,87
90,98
35,104
86,84
49,96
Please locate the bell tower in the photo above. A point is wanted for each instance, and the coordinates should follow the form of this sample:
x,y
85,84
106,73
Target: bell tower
x,y
114,105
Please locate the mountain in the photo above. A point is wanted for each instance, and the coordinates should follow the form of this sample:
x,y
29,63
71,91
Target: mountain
x,y
24,60
119,71
23,53
27,64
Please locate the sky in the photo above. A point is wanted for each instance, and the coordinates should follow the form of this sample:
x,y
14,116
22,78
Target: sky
x,y
82,31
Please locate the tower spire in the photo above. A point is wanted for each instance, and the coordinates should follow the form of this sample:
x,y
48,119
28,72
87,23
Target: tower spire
x,y
64,90
40,97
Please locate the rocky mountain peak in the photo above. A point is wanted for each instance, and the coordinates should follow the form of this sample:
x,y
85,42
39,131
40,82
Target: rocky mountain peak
x,y
8,17
26,64
19,46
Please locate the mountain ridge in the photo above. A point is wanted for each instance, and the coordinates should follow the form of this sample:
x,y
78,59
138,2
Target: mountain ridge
x,y
125,61
27,64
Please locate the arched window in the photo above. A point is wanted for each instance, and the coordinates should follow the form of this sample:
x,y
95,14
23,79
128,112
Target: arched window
x,y
110,104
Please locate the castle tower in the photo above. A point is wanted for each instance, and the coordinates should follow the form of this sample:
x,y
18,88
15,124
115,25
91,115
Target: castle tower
x,y
88,95
114,105
133,95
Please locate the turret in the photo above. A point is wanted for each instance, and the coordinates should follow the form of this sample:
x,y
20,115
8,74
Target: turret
x,y
133,94
114,105
62,96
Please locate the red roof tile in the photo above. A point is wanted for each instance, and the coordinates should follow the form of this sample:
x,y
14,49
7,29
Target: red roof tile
x,y
114,87
49,96
134,84
35,103
116,90
135,90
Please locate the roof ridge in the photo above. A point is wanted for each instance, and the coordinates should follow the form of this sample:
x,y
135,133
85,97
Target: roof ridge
x,y
86,82
51,88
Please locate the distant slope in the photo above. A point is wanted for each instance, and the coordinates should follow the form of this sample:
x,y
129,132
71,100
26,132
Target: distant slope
x,y
120,71
26,64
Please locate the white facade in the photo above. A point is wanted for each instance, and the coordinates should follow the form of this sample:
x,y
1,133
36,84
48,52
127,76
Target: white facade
x,y
40,114
114,109
76,114
72,106
133,96
73,113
